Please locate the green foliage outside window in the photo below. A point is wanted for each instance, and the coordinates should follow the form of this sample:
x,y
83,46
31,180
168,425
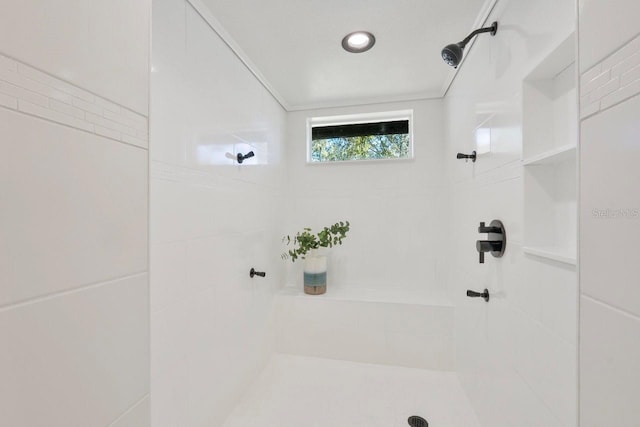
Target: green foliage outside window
x,y
369,147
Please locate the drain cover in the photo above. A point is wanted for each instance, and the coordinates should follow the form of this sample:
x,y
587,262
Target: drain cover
x,y
416,421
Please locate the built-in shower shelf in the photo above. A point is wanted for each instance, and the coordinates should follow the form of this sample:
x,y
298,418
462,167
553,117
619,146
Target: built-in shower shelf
x,y
549,157
555,254
557,155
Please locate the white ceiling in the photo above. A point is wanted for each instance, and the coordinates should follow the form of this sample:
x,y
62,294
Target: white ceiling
x,y
294,46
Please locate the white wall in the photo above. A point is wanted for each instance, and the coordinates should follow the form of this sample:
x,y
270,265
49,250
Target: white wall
x,y
610,213
516,355
110,40
211,220
73,213
396,208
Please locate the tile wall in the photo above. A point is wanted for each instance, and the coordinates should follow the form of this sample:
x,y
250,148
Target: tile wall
x,y
73,258
611,81
211,220
74,298
396,208
609,214
107,38
516,355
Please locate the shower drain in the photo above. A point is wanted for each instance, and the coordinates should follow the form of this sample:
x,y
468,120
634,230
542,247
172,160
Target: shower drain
x,y
416,421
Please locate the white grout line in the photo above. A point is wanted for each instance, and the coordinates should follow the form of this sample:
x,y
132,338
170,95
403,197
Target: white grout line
x,y
607,305
57,294
130,409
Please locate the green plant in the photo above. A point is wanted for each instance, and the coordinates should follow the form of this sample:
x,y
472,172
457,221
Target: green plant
x,y
305,240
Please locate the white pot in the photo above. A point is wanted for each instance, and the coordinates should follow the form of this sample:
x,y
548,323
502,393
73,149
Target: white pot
x,y
315,272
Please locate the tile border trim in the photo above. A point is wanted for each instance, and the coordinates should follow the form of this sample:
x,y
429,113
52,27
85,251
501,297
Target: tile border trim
x,y
611,81
28,90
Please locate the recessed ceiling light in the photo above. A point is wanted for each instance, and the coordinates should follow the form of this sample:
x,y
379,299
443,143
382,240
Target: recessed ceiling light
x,y
359,41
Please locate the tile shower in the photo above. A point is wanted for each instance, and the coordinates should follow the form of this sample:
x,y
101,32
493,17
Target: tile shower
x,y
128,231
395,299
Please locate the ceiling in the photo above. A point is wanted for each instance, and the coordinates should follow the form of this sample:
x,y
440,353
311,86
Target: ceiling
x,y
294,46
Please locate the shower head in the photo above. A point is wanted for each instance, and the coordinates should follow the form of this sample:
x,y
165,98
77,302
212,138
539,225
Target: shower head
x,y
452,54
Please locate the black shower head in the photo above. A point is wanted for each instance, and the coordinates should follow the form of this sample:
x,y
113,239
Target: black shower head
x,y
452,54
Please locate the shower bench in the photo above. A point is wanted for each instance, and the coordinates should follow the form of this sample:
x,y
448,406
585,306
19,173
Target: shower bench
x,y
382,327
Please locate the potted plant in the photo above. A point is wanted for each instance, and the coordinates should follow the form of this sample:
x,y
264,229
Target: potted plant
x,y
308,247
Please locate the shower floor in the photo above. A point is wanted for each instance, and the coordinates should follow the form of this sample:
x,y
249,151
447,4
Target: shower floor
x,y
295,391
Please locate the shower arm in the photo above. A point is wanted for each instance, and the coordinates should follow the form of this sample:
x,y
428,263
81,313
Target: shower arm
x,y
493,29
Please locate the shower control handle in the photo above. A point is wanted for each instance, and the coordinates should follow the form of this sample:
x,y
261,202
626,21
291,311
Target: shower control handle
x,y
493,246
473,294
488,245
484,229
496,242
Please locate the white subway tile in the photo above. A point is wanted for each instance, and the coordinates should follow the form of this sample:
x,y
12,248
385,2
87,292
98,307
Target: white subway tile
x,y
585,101
87,106
137,118
34,86
593,97
606,89
620,95
626,65
135,125
130,132
115,116
592,73
54,82
622,54
24,94
8,101
55,116
134,141
598,81
589,110
143,134
109,133
66,109
630,76
108,105
8,64
109,124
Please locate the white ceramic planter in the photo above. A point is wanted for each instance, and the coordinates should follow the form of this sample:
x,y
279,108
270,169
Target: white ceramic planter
x,y
315,272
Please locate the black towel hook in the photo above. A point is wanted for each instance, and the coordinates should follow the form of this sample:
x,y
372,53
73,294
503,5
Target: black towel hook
x,y
471,156
242,157
253,272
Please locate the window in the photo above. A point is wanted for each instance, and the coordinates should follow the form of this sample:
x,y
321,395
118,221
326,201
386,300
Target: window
x,y
378,136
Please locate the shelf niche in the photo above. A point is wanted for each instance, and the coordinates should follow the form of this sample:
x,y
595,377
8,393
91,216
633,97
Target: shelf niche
x,y
550,133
